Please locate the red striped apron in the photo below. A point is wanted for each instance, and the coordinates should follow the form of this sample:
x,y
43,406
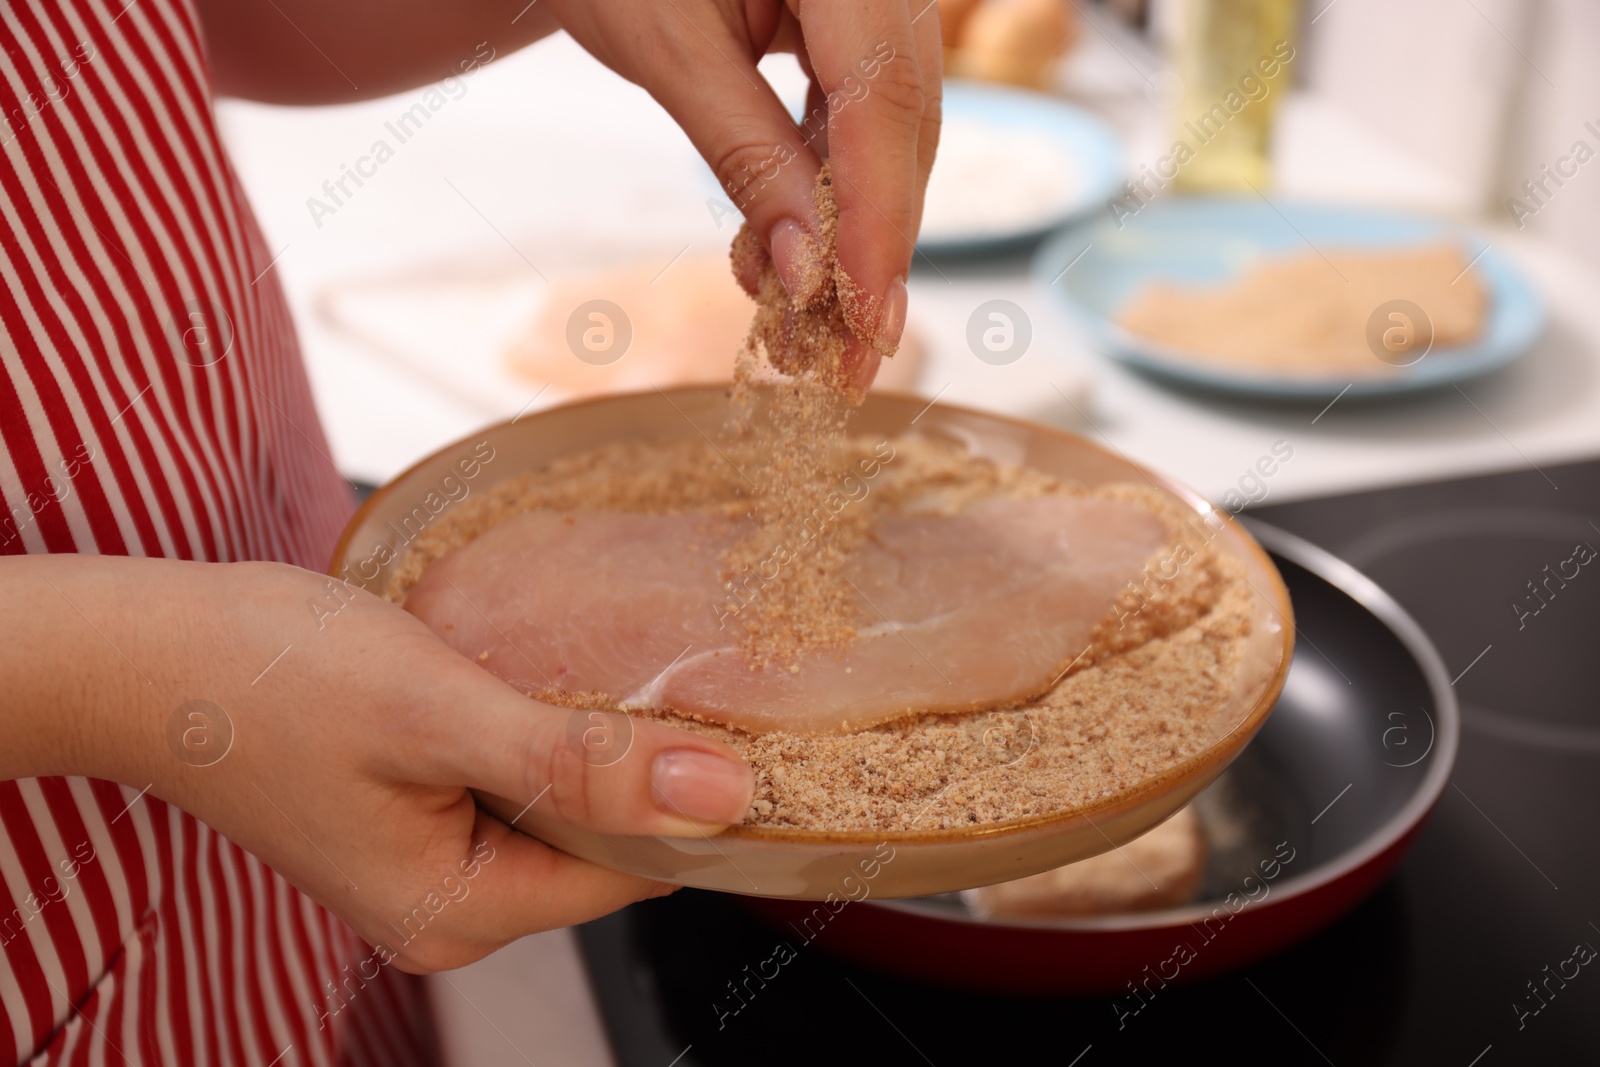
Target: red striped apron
x,y
153,403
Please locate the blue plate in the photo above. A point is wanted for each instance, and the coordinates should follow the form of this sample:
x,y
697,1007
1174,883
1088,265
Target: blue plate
x,y
1211,239
1096,151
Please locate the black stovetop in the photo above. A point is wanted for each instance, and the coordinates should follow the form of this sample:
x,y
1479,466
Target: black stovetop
x,y
1437,967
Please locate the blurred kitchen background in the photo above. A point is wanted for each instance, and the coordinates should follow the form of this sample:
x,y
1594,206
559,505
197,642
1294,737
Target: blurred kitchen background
x,y
410,291
415,288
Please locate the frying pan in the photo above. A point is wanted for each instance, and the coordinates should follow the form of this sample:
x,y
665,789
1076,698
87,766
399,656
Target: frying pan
x,y
1308,821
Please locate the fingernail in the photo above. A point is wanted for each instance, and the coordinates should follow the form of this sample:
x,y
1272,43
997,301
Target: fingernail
x,y
793,255
866,359
750,259
892,322
702,786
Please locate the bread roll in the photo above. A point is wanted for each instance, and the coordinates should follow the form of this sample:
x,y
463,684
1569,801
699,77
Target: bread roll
x,y
1162,869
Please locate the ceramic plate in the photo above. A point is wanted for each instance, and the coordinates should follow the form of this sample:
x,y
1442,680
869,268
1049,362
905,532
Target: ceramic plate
x,y
1211,239
810,864
983,124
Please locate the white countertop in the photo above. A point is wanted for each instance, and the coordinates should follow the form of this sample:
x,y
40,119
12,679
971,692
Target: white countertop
x,y
544,154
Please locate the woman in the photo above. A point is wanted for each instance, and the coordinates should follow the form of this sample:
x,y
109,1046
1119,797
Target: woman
x,y
293,833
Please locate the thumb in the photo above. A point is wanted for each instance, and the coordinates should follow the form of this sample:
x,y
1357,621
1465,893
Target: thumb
x,y
603,771
765,163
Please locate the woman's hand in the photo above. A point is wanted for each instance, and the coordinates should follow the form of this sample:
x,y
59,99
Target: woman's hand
x,y
873,110
331,734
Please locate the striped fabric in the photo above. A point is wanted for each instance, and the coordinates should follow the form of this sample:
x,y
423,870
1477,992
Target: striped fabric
x,y
152,402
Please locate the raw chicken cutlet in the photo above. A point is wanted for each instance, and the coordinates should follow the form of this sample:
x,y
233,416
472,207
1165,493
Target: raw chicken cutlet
x,y
956,612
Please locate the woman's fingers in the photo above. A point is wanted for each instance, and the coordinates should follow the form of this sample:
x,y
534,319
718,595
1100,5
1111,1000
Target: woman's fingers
x,y
930,60
705,76
814,119
874,112
865,56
